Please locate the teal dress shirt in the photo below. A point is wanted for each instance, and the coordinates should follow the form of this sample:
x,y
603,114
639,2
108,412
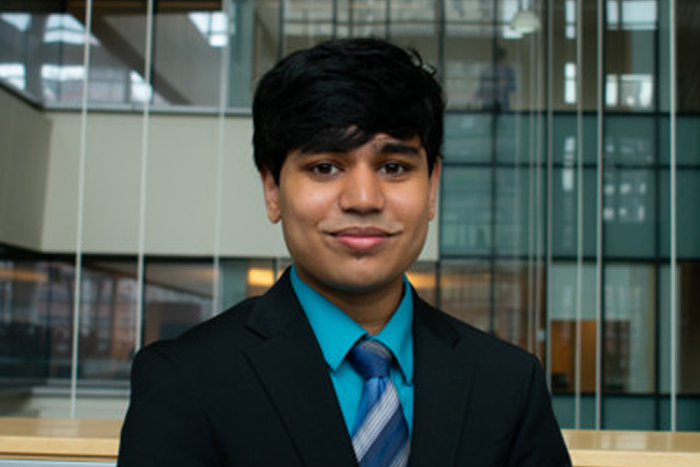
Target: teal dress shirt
x,y
336,333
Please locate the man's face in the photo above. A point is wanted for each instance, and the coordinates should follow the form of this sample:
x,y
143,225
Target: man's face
x,y
355,221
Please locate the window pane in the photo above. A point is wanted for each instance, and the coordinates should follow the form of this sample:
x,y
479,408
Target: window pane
x,y
36,329
107,321
519,216
117,58
362,18
243,278
629,212
188,49
469,27
306,22
630,139
465,291
32,324
563,296
177,296
519,295
565,140
515,137
468,137
688,215
630,328
466,212
688,140
565,206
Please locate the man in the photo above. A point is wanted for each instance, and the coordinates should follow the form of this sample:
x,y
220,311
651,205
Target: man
x,y
347,140
496,83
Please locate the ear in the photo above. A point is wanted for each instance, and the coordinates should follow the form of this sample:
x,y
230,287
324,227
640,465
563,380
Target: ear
x,y
434,185
272,196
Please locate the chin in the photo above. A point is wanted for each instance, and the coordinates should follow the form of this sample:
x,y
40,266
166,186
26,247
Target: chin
x,y
365,283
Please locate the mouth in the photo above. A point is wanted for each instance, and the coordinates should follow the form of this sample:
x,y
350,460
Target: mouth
x,y
362,238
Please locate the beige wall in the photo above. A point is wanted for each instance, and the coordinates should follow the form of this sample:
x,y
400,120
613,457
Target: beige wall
x,y
40,179
24,156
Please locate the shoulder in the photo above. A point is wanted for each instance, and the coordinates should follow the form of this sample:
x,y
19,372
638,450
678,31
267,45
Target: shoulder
x,y
244,325
491,353
224,334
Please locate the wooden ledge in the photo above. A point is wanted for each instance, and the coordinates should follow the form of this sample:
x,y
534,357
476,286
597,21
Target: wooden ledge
x,y
41,438
633,448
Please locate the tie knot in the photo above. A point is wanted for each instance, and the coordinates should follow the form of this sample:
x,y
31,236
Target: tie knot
x,y
371,359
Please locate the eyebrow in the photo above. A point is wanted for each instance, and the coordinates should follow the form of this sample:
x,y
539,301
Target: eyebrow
x,y
397,147
381,147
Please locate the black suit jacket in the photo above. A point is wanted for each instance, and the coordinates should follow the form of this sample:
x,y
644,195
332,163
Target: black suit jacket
x,y
251,388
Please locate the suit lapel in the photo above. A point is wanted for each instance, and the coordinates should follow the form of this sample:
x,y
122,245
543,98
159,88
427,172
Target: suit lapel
x,y
443,379
291,367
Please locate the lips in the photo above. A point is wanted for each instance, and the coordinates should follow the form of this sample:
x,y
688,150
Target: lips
x,y
362,238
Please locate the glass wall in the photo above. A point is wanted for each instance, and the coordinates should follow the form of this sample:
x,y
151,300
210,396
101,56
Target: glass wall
x,y
568,219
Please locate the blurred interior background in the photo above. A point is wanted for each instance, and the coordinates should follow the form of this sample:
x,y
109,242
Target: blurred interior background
x,y
569,208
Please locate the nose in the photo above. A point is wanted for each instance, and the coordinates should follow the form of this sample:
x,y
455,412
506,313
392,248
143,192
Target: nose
x,y
362,191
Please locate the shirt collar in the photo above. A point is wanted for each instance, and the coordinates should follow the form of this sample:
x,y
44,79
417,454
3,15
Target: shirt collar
x,y
336,332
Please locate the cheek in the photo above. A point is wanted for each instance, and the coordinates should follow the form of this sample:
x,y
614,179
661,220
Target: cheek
x,y
412,208
304,207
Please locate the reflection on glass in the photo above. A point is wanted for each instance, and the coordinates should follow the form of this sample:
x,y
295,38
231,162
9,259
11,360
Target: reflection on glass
x,y
630,139
630,329
566,134
633,91
14,74
19,20
243,278
519,218
565,227
107,318
502,301
188,53
570,83
213,27
29,333
519,318
66,29
563,299
466,211
468,137
497,81
362,18
37,318
570,13
306,22
465,291
632,15
688,220
177,295
44,54
629,212
422,277
416,15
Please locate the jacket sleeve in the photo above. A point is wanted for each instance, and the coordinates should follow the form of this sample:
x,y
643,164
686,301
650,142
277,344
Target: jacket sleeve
x,y
538,440
164,425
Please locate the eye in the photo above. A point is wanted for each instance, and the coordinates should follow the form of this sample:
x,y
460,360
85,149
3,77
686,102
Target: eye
x,y
393,168
324,169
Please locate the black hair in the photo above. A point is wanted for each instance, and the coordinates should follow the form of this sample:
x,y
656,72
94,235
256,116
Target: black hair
x,y
337,95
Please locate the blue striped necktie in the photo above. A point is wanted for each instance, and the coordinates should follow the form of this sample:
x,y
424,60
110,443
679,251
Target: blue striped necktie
x,y
380,436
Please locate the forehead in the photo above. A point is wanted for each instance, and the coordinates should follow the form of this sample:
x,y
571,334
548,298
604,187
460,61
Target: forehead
x,y
379,144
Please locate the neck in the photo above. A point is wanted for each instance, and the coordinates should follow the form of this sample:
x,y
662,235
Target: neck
x,y
371,309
